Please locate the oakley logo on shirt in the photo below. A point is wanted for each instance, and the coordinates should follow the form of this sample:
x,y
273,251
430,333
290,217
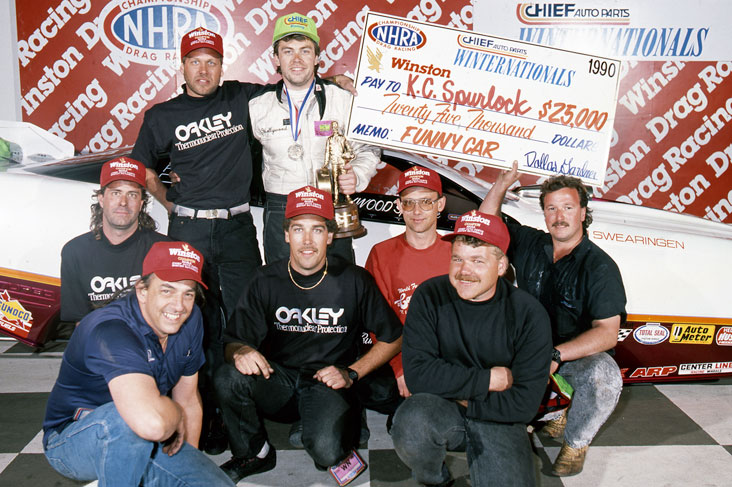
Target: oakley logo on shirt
x,y
310,316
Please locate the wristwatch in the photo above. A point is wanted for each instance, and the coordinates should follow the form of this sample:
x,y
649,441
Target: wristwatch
x,y
352,374
556,356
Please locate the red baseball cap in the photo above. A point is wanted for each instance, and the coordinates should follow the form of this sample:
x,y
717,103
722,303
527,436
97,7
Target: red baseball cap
x,y
174,261
488,228
198,38
309,201
419,176
123,168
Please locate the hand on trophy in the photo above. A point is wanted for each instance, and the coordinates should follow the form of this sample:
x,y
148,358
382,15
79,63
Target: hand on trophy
x,y
347,180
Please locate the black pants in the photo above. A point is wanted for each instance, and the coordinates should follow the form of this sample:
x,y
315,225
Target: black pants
x,y
330,418
230,257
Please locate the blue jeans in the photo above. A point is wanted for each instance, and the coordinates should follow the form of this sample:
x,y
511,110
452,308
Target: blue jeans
x,y
231,255
426,426
330,418
275,247
102,446
597,383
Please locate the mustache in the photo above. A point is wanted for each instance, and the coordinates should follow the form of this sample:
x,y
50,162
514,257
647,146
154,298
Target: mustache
x,y
463,277
560,224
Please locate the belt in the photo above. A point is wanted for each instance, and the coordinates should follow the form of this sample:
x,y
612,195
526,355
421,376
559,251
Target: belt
x,y
224,214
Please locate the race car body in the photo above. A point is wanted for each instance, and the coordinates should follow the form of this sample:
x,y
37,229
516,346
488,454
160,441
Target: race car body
x,y
674,266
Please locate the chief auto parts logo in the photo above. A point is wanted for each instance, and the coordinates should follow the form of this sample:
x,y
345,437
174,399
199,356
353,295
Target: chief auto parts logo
x,y
13,317
397,35
570,13
149,31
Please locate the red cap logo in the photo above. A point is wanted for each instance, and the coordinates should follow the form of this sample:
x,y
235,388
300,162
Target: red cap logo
x,y
174,261
309,201
488,228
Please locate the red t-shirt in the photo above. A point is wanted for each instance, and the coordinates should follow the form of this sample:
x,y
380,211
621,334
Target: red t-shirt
x,y
399,268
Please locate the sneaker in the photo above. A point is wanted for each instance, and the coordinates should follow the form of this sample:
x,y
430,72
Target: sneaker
x,y
238,467
570,461
350,468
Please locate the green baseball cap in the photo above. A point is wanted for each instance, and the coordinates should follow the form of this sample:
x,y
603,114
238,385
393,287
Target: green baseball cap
x,y
295,23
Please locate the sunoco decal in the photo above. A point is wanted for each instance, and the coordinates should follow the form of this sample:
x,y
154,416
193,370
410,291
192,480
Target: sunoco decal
x,y
397,35
651,334
724,336
149,32
696,334
13,317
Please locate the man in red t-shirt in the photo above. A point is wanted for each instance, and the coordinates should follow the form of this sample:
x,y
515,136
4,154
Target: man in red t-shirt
x,y
402,263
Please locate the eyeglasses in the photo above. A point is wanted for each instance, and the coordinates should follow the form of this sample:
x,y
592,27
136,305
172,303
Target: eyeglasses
x,y
425,204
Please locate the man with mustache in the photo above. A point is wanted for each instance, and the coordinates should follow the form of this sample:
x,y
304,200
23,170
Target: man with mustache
x,y
581,288
293,348
97,264
476,359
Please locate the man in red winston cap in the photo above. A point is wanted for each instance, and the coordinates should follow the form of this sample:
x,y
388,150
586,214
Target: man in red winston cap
x,y
476,356
398,264
97,264
292,349
125,407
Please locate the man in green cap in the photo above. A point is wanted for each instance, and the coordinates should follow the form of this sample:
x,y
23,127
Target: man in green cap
x,y
293,120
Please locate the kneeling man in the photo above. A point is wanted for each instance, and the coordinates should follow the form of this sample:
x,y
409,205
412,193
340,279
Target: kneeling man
x,y
125,408
476,356
293,345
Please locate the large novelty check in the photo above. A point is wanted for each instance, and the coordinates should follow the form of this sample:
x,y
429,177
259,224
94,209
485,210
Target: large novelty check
x,y
483,99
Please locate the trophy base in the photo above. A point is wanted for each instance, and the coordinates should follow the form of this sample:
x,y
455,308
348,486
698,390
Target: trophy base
x,y
349,225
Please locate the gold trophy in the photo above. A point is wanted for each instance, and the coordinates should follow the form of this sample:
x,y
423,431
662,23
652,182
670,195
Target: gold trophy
x,y
338,153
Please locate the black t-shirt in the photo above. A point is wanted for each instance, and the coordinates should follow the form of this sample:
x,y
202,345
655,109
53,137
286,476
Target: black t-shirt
x,y
93,270
311,329
208,144
450,345
583,286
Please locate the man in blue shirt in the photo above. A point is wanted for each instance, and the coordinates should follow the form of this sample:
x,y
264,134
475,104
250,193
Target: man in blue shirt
x,y
125,408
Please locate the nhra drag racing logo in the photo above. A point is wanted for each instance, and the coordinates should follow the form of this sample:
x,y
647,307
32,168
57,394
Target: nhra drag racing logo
x,y
398,35
149,31
13,316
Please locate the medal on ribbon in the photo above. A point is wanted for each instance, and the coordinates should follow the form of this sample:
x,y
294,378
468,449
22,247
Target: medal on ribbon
x,y
296,150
